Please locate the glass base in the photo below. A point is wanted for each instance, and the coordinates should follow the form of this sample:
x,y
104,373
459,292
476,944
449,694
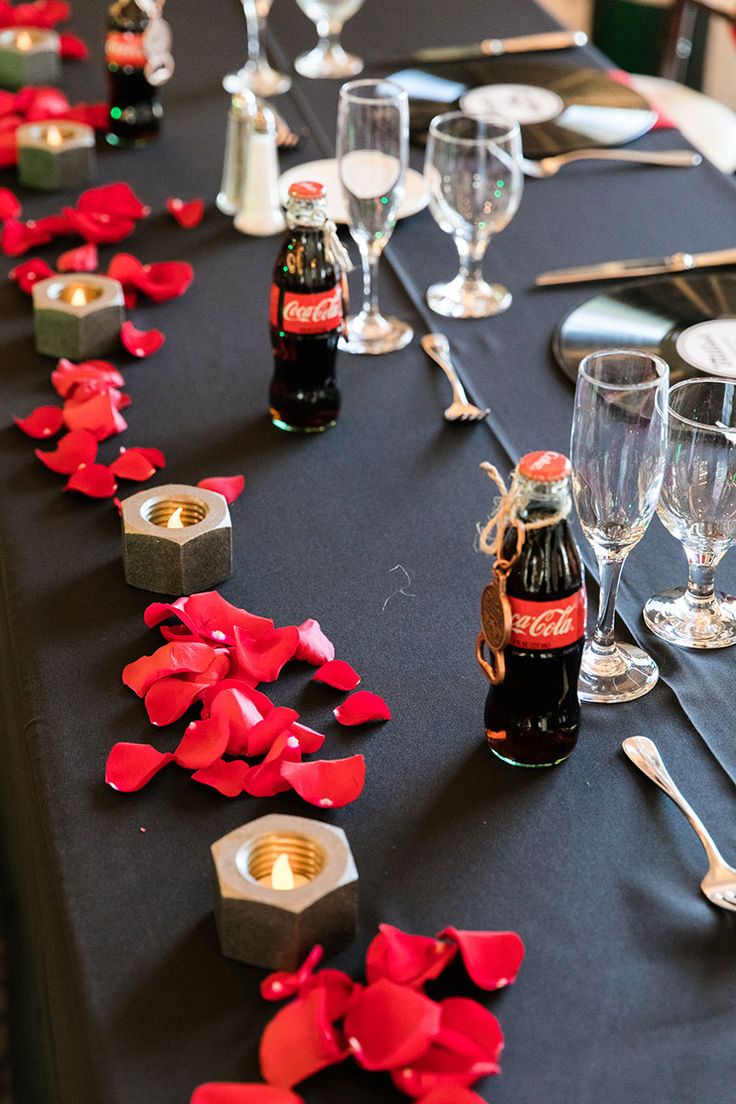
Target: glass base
x,y
530,766
691,622
332,62
625,674
301,429
262,80
373,334
463,298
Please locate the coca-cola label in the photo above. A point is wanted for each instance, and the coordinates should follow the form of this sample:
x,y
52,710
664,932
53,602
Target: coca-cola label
x,y
544,626
315,313
125,48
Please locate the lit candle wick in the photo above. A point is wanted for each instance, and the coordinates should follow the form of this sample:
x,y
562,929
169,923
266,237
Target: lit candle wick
x,y
54,137
79,297
282,876
175,522
23,41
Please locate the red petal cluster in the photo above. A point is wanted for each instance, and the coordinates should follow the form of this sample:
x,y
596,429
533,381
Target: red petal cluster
x,y
188,215
38,13
36,103
160,282
215,656
108,213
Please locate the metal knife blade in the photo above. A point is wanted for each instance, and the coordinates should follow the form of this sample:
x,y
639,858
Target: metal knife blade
x,y
642,266
494,47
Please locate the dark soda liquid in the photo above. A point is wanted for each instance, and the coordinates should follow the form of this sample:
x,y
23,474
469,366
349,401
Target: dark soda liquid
x,y
532,718
135,109
303,397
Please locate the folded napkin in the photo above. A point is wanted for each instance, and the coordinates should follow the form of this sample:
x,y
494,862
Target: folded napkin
x,y
662,123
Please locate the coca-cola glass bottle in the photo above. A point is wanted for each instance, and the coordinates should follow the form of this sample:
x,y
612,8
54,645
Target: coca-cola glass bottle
x,y
133,42
532,717
307,313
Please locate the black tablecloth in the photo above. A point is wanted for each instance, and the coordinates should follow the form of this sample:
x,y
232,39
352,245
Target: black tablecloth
x,y
121,993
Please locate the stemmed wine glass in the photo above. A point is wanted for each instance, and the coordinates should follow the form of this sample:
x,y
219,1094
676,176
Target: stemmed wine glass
x,y
256,74
328,58
473,172
619,436
372,151
698,507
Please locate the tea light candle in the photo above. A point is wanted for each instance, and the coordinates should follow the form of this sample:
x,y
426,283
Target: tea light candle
x,y
28,55
77,315
55,155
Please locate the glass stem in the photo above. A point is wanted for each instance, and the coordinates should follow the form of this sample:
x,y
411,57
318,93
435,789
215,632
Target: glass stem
x,y
471,260
603,642
701,576
329,35
369,258
255,25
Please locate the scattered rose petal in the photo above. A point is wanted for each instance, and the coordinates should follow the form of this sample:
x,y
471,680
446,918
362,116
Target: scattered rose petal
x,y
18,237
362,707
72,48
100,415
282,985
73,450
67,375
187,214
339,988
261,657
160,282
39,103
263,705
82,259
314,646
264,734
170,698
44,421
93,480
299,1041
131,766
118,200
338,674
309,740
9,205
390,1025
30,272
406,959
208,613
229,486
141,343
167,660
451,1094
202,743
96,115
225,777
133,465
232,1092
238,715
37,13
267,779
98,227
491,958
327,783
153,456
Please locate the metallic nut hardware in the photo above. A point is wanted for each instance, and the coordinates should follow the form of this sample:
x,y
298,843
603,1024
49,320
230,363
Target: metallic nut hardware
x,y
77,330
275,928
50,166
194,555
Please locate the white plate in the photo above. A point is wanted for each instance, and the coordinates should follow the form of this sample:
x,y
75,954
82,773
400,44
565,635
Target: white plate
x,y
326,172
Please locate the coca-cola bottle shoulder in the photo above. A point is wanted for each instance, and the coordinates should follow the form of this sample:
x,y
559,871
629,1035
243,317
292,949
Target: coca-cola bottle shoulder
x,y
532,718
306,316
134,104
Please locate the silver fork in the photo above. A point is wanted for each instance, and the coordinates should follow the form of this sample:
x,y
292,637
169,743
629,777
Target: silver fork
x,y
719,884
437,347
550,166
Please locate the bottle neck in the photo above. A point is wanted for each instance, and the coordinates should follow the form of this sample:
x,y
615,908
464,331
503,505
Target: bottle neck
x,y
536,499
306,214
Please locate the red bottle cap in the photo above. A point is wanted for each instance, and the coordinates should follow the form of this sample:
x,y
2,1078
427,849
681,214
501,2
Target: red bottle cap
x,y
308,189
545,467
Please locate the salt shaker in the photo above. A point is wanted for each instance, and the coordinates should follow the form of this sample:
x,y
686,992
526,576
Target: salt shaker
x,y
260,212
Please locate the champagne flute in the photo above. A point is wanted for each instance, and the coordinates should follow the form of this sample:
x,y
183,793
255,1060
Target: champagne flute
x,y
619,436
698,507
256,74
328,58
473,172
372,151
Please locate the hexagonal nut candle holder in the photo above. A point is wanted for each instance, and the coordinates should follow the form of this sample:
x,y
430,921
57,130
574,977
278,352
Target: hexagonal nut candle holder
x,y
276,928
77,330
183,560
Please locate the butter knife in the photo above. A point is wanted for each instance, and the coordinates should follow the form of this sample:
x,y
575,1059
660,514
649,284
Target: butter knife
x,y
494,47
642,266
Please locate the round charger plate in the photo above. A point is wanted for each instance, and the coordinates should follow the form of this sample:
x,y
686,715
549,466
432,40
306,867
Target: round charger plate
x,y
326,172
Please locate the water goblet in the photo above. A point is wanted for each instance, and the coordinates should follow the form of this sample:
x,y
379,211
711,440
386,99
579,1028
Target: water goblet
x,y
328,58
698,507
619,436
372,151
257,75
473,172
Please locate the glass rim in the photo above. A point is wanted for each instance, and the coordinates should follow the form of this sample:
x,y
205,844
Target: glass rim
x,y
509,126
397,92
708,427
661,367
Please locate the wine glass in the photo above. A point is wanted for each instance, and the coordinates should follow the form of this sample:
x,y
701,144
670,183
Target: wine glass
x,y
619,436
328,58
698,507
256,74
372,151
473,172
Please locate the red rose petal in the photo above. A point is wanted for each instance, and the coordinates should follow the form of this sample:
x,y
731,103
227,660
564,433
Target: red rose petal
x,y
160,281
141,343
170,698
40,103
154,456
339,989
131,464
263,735
18,237
96,115
98,227
187,214
100,415
491,958
282,985
238,715
72,48
131,766
38,13
314,646
451,1094
167,660
202,743
209,614
406,959
229,486
261,658
9,205
74,449
309,740
67,375
8,157
44,421
389,1025
299,1041
362,707
267,779
82,259
233,1092
338,674
118,200
263,704
225,777
328,783
93,480
30,272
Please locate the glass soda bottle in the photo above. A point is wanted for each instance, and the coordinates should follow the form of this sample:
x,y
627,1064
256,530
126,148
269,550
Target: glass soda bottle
x,y
135,106
532,718
307,312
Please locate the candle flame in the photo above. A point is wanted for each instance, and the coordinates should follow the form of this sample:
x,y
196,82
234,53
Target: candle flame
x,y
78,298
54,137
23,41
282,876
175,521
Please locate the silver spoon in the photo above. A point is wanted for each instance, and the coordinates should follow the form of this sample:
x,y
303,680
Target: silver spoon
x,y
550,166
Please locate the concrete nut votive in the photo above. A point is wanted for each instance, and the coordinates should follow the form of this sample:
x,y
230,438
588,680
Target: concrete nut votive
x,y
176,539
77,315
28,55
55,155
275,928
